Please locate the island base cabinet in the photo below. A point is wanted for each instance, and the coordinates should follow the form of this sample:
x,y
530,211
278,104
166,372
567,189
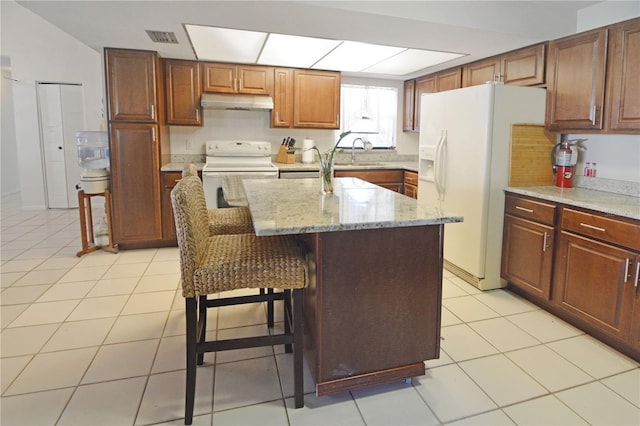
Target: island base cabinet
x,y
372,308
594,284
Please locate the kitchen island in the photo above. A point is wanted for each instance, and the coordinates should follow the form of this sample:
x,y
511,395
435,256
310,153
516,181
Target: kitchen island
x,y
372,306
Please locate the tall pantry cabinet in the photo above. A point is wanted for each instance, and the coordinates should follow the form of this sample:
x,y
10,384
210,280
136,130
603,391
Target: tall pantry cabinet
x,y
137,140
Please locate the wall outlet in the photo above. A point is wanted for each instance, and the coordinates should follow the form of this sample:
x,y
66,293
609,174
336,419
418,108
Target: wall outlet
x,y
187,144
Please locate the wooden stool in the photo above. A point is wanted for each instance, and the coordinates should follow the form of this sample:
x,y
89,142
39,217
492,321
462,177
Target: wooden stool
x,y
86,222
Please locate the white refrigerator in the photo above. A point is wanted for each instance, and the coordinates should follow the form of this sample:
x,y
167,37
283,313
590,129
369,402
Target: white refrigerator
x,y
464,154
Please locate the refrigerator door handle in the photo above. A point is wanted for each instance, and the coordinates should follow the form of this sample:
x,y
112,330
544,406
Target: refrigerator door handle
x,y
439,165
436,167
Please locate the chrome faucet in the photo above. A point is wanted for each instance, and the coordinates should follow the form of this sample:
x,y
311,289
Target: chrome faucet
x,y
366,145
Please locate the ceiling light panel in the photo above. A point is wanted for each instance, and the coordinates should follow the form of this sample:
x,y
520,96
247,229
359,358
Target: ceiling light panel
x,y
294,51
411,60
224,44
354,56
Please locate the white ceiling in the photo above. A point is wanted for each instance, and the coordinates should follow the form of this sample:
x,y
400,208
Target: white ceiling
x,y
476,28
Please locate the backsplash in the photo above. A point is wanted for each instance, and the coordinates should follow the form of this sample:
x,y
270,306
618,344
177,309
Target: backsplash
x,y
608,185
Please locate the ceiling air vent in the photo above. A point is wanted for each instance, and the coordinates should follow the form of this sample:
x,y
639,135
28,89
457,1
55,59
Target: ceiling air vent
x,y
162,36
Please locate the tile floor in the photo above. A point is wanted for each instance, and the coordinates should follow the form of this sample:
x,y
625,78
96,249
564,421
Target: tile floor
x,y
99,340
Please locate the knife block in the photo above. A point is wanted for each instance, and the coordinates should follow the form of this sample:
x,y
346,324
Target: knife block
x,y
284,157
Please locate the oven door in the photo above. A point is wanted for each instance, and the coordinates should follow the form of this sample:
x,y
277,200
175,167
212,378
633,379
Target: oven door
x,y
224,188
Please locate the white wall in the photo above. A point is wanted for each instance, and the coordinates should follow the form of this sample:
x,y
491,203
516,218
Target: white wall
x,y
618,156
10,177
40,52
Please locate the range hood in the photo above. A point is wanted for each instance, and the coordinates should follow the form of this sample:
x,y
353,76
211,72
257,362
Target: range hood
x,y
236,102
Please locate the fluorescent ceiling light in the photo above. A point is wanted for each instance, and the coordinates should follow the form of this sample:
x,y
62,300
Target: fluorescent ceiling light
x,y
225,45
355,56
294,51
252,47
411,60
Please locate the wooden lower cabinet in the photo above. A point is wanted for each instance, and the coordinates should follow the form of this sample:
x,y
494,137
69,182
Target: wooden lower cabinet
x,y
527,255
593,282
135,184
410,184
390,179
169,180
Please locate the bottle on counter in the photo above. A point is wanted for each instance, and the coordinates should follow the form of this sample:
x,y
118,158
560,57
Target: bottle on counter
x,y
587,169
593,170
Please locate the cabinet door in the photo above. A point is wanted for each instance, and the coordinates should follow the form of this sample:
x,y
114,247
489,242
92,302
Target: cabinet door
x,y
183,92
482,71
527,256
623,78
634,338
316,100
524,67
593,282
407,110
255,80
135,185
449,79
282,114
218,78
131,85
426,84
575,82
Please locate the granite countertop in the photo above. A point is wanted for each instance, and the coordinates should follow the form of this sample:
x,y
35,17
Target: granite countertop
x,y
176,166
296,206
601,201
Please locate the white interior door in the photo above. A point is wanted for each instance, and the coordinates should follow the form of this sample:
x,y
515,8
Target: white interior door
x,y
61,116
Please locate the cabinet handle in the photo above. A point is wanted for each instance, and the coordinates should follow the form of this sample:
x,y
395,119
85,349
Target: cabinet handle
x,y
544,242
593,115
635,282
153,111
595,228
278,117
153,134
626,270
197,114
524,209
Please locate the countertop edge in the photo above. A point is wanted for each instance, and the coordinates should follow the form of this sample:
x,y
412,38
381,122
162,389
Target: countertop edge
x,y
604,202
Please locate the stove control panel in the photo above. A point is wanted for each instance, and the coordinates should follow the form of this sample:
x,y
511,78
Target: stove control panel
x,y
238,148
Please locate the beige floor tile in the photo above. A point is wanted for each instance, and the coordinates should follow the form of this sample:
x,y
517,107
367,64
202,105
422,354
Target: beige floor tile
x,y
149,302
21,295
626,385
167,253
97,258
493,418
53,370
512,385
445,388
58,263
547,410
98,307
7,279
113,287
240,354
105,404
285,372
241,315
160,282
10,368
163,267
136,256
449,290
462,343
337,410
9,313
447,318
468,308
443,359
19,410
592,356
505,303
171,355
234,378
25,340
79,334
544,326
45,313
599,405
93,273
122,361
272,413
44,276
125,270
67,291
503,335
163,398
129,328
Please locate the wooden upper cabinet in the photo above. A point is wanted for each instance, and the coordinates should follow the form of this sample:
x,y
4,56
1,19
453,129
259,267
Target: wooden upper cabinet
x,y
316,100
449,79
522,67
575,82
623,78
482,71
426,84
183,92
432,83
282,114
232,78
131,85
408,111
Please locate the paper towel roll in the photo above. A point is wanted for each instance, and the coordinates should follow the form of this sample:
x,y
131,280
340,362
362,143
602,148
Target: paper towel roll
x,y
307,152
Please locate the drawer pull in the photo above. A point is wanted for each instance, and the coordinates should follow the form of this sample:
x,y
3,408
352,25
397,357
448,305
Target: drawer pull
x,y
595,228
524,209
626,270
544,242
635,282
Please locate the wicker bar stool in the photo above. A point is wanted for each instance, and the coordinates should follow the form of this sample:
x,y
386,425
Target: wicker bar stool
x,y
233,220
212,264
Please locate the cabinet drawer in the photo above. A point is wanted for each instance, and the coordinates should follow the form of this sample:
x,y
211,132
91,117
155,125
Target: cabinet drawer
x,y
529,209
603,228
169,179
373,176
411,178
